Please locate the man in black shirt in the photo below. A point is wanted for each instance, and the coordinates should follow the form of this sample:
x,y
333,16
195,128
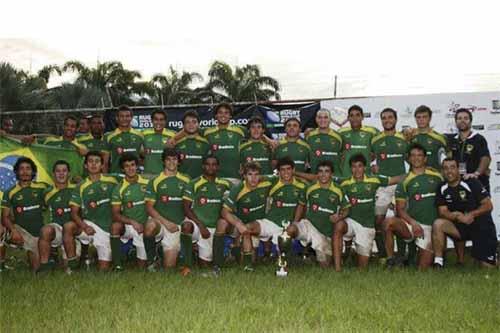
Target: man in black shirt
x,y
470,149
465,209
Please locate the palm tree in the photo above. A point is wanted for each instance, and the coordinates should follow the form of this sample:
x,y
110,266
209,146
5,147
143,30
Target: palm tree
x,y
77,95
241,84
175,87
47,71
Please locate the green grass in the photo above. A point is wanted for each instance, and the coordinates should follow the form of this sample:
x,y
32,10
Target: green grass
x,y
310,299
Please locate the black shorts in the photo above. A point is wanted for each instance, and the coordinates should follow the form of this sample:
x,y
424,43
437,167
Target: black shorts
x,y
484,240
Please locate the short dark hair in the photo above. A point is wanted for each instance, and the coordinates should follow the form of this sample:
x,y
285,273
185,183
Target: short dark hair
x,y
292,119
325,163
124,107
223,105
158,112
127,157
206,157
423,109
449,159
251,166
96,115
27,160
417,146
60,162
287,160
93,153
463,110
357,158
390,110
355,107
169,152
192,114
71,118
256,119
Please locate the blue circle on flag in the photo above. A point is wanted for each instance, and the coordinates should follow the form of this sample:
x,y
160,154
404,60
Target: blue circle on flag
x,y
7,175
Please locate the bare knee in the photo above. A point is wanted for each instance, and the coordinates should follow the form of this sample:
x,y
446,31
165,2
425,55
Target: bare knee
x,y
47,233
439,224
187,227
149,228
69,229
117,228
222,226
389,223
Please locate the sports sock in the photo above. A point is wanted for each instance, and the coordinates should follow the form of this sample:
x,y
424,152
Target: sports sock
x,y
401,246
149,245
116,250
218,248
73,263
247,259
439,260
236,253
379,240
412,253
187,249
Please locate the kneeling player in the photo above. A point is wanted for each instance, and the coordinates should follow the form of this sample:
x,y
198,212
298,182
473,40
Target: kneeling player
x,y
326,206
57,200
360,191
202,206
465,207
415,209
165,209
129,213
91,213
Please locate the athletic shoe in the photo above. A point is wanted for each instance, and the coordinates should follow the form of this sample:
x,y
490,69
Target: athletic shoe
x,y
152,268
393,262
216,271
437,266
248,268
118,268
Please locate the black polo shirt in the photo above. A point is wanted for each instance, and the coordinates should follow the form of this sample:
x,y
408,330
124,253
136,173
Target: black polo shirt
x,y
470,151
465,197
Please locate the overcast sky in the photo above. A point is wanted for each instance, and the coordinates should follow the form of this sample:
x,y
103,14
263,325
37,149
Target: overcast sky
x,y
375,47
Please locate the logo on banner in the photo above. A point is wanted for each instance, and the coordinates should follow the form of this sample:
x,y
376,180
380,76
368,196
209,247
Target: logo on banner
x,y
494,127
495,105
478,127
339,116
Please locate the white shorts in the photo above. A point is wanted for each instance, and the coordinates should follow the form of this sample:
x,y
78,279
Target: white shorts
x,y
137,241
308,234
424,242
57,242
205,245
268,231
100,240
363,237
30,242
169,240
384,196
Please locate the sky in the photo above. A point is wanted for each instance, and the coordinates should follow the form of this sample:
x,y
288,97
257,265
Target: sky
x,y
374,47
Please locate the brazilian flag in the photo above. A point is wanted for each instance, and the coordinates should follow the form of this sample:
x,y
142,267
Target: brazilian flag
x,y
44,157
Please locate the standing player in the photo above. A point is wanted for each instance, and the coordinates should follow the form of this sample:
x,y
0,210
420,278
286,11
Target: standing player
x,y
155,140
91,213
433,142
57,200
356,139
415,208
256,149
293,146
124,139
326,206
128,211
360,191
390,151
166,211
202,202
83,126
95,139
465,207
68,139
192,147
325,143
22,208
246,203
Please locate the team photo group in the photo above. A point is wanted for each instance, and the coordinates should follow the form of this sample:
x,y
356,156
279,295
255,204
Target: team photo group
x,y
211,197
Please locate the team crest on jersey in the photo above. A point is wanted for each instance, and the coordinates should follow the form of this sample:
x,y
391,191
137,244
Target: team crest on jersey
x,y
383,144
19,197
416,184
58,199
198,145
204,189
285,149
332,198
469,148
91,191
104,187
143,188
163,186
220,188
368,187
462,195
354,189
247,200
362,134
317,140
230,135
315,196
429,142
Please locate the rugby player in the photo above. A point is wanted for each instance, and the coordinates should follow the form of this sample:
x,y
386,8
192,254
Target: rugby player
x,y
95,139
155,140
293,146
68,139
256,149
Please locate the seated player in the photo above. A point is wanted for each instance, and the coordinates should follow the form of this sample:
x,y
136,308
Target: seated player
x,y
129,212
325,206
465,209
91,213
415,208
57,200
202,201
165,210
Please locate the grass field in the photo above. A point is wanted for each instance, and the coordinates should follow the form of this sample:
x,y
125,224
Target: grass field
x,y
310,299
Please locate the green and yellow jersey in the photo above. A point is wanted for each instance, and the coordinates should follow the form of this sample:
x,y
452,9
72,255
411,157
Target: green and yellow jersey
x,y
283,199
324,147
419,193
361,198
57,200
192,149
130,196
246,203
298,150
435,144
60,142
390,152
120,142
26,205
92,143
165,192
94,200
356,142
154,143
323,202
257,151
206,198
225,145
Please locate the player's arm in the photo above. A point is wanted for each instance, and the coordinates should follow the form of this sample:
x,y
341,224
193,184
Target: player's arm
x,y
177,137
116,212
300,212
395,180
8,223
403,214
445,213
151,211
233,220
190,214
75,217
105,156
484,208
271,142
310,177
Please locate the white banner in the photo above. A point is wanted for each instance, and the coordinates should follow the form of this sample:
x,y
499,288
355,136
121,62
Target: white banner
x,y
485,107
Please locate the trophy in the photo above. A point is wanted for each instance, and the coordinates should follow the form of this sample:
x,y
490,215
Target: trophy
x,y
284,242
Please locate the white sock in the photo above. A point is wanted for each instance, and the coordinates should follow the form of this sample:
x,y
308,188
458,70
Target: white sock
x,y
439,260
